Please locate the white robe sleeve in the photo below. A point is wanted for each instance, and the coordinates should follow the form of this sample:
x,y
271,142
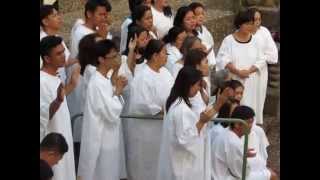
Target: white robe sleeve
x,y
270,51
109,107
186,130
235,160
224,55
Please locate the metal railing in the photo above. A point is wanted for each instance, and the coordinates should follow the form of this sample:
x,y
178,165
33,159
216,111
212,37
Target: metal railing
x,y
220,120
226,120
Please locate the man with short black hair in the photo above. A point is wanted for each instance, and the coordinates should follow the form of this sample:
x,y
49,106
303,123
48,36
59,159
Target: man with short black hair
x,y
227,156
54,112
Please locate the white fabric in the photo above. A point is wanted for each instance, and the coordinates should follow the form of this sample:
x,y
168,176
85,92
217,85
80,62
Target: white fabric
x,y
124,33
175,69
125,71
77,125
62,70
161,22
100,144
149,91
207,40
174,55
182,155
60,123
243,56
270,53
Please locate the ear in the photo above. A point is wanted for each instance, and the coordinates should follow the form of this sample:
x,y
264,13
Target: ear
x,y
89,14
45,21
46,59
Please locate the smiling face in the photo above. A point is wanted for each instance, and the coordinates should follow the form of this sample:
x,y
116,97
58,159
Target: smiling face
x,y
189,21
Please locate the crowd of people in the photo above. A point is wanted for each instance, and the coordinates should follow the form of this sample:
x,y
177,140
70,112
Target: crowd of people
x,y
161,67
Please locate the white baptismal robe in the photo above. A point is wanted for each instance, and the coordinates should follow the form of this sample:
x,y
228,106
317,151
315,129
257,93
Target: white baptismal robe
x,y
161,22
124,33
60,123
182,155
207,40
174,55
243,56
100,146
149,91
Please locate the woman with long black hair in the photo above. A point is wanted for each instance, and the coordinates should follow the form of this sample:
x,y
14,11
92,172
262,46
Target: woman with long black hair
x,y
182,152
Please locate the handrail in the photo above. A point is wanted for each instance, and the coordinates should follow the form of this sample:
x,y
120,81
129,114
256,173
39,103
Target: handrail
x,y
227,120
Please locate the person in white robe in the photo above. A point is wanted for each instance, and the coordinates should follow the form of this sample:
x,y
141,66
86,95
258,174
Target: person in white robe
x,y
95,22
149,90
269,50
53,107
174,40
182,155
51,22
241,54
203,32
100,154
228,152
162,17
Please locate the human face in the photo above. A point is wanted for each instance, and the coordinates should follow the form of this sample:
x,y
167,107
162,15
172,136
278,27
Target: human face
x,y
112,59
53,158
247,27
162,56
199,13
180,38
162,3
143,39
204,67
194,89
56,57
53,21
99,16
257,20
189,21
146,21
238,93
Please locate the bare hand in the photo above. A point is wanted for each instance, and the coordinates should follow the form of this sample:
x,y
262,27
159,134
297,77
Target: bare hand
x,y
75,76
206,116
133,42
60,93
223,97
103,29
251,153
121,82
204,84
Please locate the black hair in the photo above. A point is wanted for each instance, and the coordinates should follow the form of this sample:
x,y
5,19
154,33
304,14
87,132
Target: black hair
x,y
91,6
47,44
242,17
233,84
86,51
154,46
133,4
195,5
46,172
186,78
181,13
102,48
254,10
173,34
194,57
132,31
138,13
225,111
45,11
167,10
187,44
242,112
54,142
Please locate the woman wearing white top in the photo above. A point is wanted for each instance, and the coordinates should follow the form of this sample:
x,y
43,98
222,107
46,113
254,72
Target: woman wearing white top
x,y
242,56
203,33
128,21
182,155
174,40
162,17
